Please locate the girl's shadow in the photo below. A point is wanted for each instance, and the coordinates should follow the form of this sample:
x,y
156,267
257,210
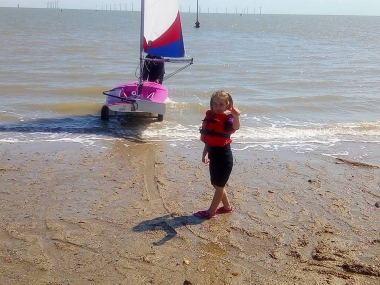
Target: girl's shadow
x,y
168,223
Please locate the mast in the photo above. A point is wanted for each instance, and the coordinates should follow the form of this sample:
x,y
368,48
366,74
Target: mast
x,y
197,24
141,41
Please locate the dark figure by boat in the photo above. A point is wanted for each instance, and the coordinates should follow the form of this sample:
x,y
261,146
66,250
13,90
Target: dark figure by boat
x,y
153,71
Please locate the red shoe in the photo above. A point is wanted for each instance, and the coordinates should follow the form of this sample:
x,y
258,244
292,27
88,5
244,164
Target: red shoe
x,y
204,215
222,210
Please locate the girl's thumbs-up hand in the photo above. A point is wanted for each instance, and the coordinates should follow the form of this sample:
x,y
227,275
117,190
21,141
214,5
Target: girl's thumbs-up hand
x,y
235,111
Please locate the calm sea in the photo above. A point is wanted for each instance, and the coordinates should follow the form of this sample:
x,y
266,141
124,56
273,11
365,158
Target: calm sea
x,y
305,83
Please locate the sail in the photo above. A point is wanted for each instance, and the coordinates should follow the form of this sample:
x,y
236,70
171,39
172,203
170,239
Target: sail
x,y
162,28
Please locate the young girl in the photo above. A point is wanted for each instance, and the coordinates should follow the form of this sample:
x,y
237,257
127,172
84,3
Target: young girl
x,y
220,122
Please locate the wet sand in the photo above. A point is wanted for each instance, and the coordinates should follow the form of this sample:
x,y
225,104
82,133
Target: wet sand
x,y
72,214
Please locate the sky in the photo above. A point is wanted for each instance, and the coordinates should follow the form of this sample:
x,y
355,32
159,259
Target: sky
x,y
308,7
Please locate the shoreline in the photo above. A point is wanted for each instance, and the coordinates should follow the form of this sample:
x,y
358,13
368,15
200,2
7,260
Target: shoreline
x,y
123,215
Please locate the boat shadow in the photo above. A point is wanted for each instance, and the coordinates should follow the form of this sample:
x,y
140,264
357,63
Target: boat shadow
x,y
128,127
168,223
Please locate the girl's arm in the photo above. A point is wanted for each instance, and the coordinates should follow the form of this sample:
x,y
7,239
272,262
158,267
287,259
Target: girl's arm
x,y
236,113
204,155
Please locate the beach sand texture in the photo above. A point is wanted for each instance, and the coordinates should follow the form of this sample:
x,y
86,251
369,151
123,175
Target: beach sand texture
x,y
123,215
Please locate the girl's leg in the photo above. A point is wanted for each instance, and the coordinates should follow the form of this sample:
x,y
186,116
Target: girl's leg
x,y
220,166
220,195
225,201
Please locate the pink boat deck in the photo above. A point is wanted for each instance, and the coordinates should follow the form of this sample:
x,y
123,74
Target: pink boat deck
x,y
151,91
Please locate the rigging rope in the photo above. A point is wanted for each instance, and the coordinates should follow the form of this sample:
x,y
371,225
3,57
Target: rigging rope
x,y
177,71
167,76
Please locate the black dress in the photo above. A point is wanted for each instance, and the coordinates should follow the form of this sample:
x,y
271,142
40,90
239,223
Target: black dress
x,y
220,165
221,160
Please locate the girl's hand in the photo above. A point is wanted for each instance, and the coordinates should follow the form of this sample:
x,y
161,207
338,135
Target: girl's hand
x,y
235,114
235,111
204,155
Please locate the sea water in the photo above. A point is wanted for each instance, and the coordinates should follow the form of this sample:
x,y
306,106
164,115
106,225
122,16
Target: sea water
x,y
302,83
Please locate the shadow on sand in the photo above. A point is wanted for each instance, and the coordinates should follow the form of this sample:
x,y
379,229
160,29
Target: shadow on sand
x,y
168,223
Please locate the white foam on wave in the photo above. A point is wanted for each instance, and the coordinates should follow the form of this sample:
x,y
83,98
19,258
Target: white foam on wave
x,y
302,139
86,140
329,133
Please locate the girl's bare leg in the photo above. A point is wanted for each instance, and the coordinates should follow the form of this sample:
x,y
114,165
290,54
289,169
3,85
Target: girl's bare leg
x,y
220,195
225,201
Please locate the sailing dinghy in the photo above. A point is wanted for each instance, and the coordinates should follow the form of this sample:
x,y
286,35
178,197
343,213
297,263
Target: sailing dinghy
x,y
161,36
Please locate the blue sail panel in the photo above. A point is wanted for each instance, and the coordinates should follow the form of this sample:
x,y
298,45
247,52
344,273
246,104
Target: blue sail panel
x,y
163,34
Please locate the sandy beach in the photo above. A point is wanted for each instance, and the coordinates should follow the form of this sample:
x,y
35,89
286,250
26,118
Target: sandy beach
x,y
122,214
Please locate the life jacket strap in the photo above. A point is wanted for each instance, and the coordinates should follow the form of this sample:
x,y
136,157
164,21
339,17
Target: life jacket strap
x,y
214,133
209,120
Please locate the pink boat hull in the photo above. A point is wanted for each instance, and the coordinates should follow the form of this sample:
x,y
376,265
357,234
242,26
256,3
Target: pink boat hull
x,y
127,98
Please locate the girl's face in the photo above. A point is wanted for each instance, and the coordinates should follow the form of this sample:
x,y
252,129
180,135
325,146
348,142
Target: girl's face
x,y
219,105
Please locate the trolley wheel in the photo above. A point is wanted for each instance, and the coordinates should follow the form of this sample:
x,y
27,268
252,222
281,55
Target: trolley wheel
x,y
160,117
105,113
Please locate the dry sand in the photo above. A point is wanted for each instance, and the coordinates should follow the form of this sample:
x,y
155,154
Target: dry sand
x,y
123,215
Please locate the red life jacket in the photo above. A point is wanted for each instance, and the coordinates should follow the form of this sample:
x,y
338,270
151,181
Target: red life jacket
x,y
212,131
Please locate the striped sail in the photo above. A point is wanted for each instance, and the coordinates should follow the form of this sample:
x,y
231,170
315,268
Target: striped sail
x,y
162,29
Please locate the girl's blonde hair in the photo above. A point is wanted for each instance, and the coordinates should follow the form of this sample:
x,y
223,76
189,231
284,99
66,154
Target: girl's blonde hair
x,y
224,95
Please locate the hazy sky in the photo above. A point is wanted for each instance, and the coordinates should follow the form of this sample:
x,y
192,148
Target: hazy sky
x,y
315,7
